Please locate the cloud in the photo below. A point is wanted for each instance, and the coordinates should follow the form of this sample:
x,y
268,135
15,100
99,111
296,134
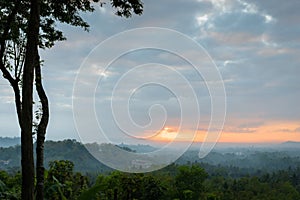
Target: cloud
x,y
287,130
239,130
255,45
254,124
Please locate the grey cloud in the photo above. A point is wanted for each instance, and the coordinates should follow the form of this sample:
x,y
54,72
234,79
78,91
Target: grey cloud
x,y
239,22
286,130
261,77
286,29
240,130
251,124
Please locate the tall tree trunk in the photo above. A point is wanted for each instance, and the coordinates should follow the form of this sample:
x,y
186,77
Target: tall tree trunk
x,y
14,82
27,100
115,194
41,132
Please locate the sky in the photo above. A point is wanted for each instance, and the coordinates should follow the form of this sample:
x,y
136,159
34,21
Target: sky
x,y
254,45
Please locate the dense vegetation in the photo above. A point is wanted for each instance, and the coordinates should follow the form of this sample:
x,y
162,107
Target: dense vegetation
x,y
173,182
229,174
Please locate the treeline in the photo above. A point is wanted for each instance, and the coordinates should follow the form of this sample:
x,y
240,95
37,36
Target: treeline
x,y
9,141
184,182
234,163
10,158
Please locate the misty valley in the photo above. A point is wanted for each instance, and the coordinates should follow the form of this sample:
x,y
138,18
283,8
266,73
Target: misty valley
x,y
230,171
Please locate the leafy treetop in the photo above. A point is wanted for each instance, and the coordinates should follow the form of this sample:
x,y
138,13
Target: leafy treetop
x,y
53,11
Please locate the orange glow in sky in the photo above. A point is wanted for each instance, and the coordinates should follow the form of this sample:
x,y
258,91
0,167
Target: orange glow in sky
x,y
271,132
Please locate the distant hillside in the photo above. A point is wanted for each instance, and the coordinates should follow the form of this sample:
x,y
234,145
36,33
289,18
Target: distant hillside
x,y
139,147
9,141
10,158
248,160
290,144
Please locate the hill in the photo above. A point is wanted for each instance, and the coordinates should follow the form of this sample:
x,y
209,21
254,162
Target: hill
x,y
9,141
55,150
293,144
236,162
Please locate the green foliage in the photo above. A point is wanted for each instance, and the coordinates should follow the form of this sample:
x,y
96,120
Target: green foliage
x,y
60,150
53,12
173,182
189,181
62,183
126,8
10,186
120,185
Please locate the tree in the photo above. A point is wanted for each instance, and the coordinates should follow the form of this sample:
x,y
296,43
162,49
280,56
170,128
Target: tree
x,y
10,187
62,182
11,35
31,60
152,188
119,185
189,181
25,26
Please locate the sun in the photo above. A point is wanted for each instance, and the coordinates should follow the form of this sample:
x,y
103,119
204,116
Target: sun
x,y
166,134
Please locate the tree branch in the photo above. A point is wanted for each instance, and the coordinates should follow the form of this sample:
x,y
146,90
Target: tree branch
x,y
6,74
